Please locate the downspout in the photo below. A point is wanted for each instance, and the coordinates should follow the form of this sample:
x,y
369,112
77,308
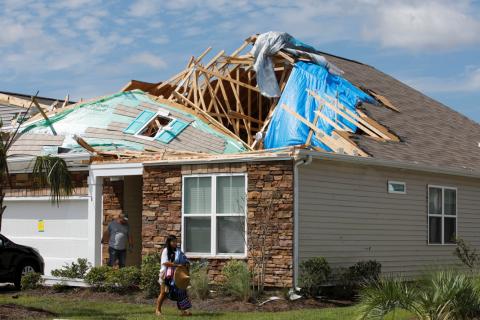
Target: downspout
x,y
305,161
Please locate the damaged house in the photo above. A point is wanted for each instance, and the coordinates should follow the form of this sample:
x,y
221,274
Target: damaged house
x,y
336,158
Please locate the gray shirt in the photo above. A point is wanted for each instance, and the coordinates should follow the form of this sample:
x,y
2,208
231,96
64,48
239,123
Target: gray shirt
x,y
118,235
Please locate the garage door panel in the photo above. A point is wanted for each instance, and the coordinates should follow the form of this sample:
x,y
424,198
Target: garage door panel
x,y
33,209
64,237
52,228
69,248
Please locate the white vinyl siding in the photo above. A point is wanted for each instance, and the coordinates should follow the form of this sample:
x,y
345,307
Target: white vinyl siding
x,y
213,219
346,216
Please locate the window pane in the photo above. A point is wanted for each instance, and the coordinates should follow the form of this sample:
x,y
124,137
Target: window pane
x,y
435,230
449,230
435,201
396,187
450,202
197,195
230,234
231,194
197,234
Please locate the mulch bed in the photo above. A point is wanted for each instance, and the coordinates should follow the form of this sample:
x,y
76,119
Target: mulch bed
x,y
16,312
217,303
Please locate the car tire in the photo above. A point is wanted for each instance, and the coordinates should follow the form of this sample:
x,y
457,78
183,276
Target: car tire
x,y
25,268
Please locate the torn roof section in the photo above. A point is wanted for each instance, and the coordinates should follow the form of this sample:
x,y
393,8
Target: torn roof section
x,y
126,121
280,93
304,95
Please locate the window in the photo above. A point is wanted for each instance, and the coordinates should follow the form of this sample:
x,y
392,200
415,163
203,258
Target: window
x,y
442,215
214,214
155,125
397,187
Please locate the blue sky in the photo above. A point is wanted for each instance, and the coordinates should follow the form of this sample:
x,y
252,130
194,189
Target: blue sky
x,y
88,48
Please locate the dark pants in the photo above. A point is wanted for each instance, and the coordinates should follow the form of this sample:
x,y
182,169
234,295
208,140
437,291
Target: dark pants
x,y
114,255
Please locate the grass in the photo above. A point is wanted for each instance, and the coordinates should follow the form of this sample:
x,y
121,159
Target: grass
x,y
103,310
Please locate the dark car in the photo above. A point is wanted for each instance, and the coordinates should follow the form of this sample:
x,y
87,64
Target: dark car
x,y
17,260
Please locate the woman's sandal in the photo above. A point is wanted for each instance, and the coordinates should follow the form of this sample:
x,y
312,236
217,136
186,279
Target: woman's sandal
x,y
158,313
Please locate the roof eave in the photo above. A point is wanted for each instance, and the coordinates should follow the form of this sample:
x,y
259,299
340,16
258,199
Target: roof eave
x,y
371,161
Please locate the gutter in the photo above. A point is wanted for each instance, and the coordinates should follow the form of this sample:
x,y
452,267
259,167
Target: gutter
x,y
305,162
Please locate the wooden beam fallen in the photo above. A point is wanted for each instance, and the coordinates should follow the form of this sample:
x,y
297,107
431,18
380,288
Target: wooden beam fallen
x,y
351,117
44,115
84,144
336,144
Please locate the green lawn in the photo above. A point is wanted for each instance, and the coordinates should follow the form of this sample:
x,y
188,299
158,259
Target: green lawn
x,y
78,309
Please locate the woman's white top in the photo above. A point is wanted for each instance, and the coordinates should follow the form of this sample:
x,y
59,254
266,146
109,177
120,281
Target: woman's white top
x,y
163,259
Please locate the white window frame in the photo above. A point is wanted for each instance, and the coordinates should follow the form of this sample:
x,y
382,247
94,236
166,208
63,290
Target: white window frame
x,y
443,215
397,182
161,113
213,217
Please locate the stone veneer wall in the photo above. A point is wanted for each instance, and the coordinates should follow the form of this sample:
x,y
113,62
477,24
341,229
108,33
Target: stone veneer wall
x,y
112,205
269,184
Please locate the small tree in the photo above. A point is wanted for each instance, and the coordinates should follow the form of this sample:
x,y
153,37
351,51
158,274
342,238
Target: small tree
x,y
261,237
467,255
47,171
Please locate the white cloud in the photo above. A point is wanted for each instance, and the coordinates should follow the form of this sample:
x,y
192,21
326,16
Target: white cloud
x,y
467,81
143,8
148,59
420,25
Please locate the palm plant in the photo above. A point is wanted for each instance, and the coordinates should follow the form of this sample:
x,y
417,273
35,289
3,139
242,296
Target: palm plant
x,y
440,295
48,170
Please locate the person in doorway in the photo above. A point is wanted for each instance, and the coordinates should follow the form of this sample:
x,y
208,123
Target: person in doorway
x,y
171,259
118,239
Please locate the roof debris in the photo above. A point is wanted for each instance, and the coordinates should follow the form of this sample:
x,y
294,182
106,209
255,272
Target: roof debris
x,y
226,91
273,92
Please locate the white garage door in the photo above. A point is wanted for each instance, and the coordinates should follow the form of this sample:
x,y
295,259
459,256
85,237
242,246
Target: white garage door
x,y
60,233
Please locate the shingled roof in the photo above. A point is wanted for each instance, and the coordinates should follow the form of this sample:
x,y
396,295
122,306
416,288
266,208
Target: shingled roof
x,y
431,133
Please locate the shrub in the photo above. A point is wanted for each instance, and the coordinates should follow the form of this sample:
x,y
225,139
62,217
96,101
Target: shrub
x,y
31,281
365,272
342,285
149,275
61,287
441,295
314,273
199,280
122,280
74,270
237,280
97,276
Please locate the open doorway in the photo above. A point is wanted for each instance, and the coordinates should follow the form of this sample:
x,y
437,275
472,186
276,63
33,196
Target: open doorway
x,y
132,208
124,195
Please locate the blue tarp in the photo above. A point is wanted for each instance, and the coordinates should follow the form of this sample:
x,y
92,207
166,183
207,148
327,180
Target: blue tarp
x,y
286,130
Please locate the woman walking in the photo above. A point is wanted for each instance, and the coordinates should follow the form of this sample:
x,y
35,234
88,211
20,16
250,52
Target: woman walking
x,y
172,257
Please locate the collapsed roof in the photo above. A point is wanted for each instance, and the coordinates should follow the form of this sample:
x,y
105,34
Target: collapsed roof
x,y
16,108
126,122
282,93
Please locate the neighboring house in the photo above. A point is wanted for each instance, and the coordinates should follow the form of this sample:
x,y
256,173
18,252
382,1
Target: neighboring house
x,y
400,198
14,107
